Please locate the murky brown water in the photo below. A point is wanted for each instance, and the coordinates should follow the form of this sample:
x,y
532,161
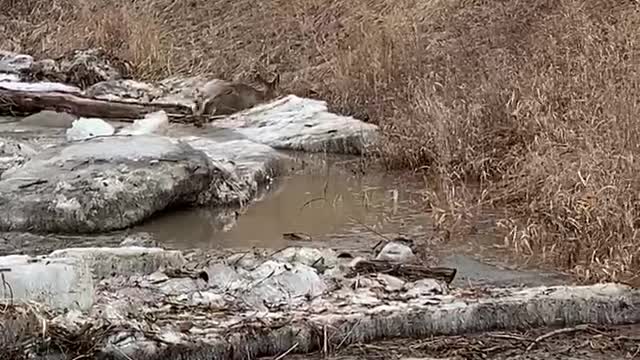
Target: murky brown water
x,y
346,210
312,202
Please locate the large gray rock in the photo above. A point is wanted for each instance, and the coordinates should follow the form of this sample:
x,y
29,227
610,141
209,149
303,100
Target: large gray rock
x,y
11,62
104,184
59,283
124,90
272,283
294,123
14,153
48,118
249,165
132,260
289,123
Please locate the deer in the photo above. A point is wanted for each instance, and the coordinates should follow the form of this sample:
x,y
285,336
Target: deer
x,y
221,97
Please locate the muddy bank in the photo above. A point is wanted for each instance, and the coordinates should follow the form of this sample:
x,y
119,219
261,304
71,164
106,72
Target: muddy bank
x,y
263,303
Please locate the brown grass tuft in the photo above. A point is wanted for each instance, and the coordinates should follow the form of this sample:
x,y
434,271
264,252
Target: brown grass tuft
x,y
536,101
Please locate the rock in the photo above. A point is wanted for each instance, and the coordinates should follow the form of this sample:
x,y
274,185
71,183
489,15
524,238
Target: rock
x,y
359,316
208,299
182,286
294,123
106,262
124,90
139,240
156,122
12,147
86,128
14,153
246,260
105,184
14,63
307,256
249,165
9,77
271,282
390,283
396,252
274,284
425,287
179,90
223,275
42,86
62,283
49,118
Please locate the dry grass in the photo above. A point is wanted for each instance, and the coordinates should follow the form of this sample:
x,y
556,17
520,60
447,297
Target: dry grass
x,y
535,101
28,330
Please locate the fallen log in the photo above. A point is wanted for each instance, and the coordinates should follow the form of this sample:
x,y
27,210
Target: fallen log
x,y
22,102
410,272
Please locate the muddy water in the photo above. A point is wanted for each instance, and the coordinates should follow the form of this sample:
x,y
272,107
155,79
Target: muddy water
x,y
312,202
328,201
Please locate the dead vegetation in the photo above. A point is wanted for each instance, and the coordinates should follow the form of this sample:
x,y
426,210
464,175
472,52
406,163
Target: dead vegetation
x,y
582,341
28,330
534,101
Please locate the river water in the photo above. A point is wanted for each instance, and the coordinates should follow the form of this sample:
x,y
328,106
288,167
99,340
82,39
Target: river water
x,y
340,202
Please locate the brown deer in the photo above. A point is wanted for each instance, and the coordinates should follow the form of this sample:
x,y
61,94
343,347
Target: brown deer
x,y
220,97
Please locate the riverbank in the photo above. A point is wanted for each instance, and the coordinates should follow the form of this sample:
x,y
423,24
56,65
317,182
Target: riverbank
x,y
147,303
536,103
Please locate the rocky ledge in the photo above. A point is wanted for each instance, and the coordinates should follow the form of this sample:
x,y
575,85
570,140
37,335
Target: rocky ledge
x,y
148,303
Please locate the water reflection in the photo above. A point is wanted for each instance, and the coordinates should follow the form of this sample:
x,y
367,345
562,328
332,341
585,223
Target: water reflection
x,y
315,203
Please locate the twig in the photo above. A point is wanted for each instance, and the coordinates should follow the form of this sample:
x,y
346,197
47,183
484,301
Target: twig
x,y
508,337
123,353
370,229
311,201
556,332
325,189
35,182
6,285
627,338
287,352
348,335
325,345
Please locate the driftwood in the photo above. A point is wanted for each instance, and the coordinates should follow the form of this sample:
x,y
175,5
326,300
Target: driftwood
x,y
29,102
410,272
